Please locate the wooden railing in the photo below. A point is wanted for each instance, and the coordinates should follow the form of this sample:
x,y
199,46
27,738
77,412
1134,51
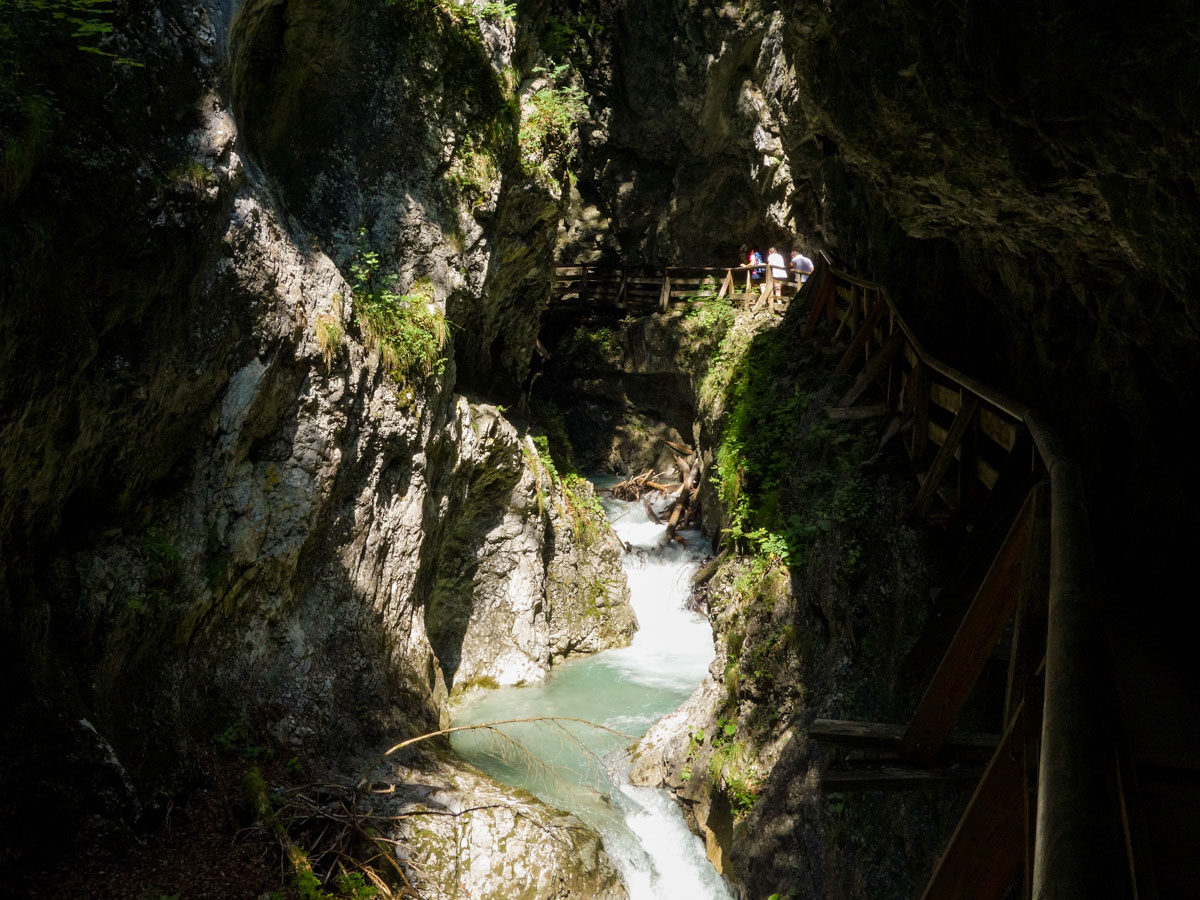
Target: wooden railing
x,y
1048,807
662,289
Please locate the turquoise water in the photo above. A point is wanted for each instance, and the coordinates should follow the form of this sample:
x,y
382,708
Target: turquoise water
x,y
583,769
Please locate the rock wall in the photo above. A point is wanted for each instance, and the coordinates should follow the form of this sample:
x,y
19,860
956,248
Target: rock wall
x,y
221,515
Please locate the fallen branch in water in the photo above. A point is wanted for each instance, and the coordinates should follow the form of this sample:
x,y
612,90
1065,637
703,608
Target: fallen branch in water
x,y
634,487
487,726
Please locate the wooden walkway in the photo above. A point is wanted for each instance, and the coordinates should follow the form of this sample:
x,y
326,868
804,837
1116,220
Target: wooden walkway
x,y
1052,806
621,289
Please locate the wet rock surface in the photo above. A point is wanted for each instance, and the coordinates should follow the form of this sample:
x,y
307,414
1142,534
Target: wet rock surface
x,y
462,832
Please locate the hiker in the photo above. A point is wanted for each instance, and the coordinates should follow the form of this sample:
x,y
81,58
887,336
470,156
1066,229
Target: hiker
x,y
755,259
802,266
778,272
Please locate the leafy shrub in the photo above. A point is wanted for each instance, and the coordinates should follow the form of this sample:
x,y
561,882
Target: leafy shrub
x,y
584,510
548,116
407,330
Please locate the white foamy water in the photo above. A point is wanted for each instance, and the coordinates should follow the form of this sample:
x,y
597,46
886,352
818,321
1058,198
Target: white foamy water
x,y
628,690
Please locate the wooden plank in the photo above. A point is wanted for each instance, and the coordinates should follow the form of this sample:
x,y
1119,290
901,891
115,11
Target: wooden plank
x,y
988,846
885,737
873,369
820,299
945,455
991,608
844,320
997,428
986,473
726,285
948,397
895,775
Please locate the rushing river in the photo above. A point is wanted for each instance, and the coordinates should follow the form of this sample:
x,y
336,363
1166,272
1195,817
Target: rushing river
x,y
627,690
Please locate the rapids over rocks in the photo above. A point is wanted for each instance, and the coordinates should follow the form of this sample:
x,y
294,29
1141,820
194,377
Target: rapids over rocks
x,y
584,769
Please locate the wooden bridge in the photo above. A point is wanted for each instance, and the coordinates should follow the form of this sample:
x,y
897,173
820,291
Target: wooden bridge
x,y
650,290
1056,807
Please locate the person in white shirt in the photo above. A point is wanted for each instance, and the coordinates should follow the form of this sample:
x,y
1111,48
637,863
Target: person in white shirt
x,y
802,266
778,270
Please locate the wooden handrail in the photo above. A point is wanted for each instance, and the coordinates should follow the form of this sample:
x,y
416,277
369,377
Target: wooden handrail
x,y
662,288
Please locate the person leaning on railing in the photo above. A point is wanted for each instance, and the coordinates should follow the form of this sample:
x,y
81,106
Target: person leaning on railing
x,y
802,266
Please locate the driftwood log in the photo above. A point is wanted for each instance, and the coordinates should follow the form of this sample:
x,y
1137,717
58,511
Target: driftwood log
x,y
685,510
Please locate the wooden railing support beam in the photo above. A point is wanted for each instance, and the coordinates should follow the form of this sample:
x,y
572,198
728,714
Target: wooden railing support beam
x,y
859,342
1029,626
824,286
985,853
945,455
876,367
967,654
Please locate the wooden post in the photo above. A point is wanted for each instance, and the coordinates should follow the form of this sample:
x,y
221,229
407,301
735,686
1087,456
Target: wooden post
x,y
968,463
664,298
818,304
920,410
874,369
726,285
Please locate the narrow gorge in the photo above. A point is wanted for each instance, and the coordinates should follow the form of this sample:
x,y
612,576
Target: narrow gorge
x,y
306,454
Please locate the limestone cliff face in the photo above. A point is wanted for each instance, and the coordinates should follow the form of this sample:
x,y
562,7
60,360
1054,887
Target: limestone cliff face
x,y
214,514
